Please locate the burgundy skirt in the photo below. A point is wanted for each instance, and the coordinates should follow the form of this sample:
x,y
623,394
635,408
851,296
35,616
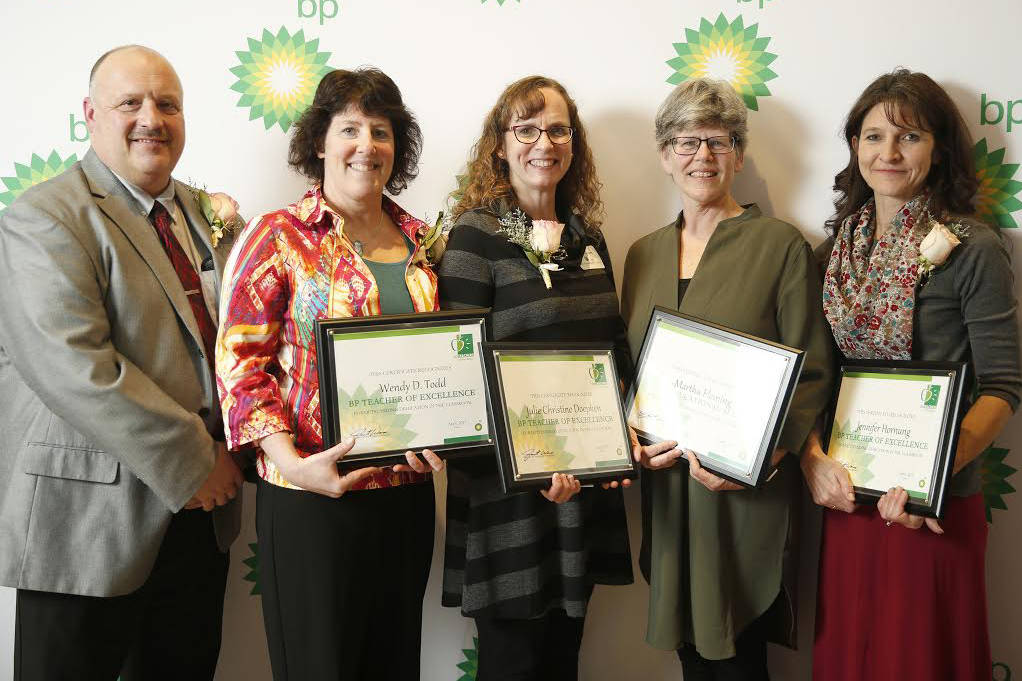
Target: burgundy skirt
x,y
897,604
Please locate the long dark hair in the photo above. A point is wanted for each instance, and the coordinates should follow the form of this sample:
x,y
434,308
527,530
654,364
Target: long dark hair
x,y
912,99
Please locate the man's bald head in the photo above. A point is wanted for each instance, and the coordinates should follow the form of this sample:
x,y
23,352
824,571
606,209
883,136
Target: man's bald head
x,y
135,117
103,57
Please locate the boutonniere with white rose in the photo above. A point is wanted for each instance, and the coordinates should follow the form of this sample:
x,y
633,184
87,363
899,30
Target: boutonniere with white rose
x,y
541,240
936,247
220,211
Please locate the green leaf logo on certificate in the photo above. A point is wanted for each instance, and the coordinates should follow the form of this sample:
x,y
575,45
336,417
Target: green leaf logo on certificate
x,y
557,409
896,425
403,382
463,345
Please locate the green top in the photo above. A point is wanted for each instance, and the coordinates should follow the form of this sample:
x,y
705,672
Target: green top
x,y
390,279
716,560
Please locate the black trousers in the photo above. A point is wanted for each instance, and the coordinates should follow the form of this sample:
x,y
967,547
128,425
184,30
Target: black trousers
x,y
342,581
748,664
168,629
541,649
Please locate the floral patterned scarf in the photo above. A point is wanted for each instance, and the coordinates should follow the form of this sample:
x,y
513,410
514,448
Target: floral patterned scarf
x,y
869,290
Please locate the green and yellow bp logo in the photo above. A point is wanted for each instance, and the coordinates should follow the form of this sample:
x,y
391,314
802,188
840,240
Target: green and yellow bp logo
x,y
252,563
995,475
996,198
37,170
598,372
469,666
728,51
277,76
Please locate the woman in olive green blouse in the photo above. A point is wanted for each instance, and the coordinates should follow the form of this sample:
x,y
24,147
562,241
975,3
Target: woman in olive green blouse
x,y
715,553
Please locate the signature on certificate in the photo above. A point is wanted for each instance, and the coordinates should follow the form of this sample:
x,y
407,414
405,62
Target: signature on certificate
x,y
367,431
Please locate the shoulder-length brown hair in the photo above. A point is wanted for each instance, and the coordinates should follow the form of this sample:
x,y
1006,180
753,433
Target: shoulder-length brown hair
x,y
487,181
912,99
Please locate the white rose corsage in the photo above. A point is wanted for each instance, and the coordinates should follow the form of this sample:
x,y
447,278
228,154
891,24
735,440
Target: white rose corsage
x,y
541,240
936,247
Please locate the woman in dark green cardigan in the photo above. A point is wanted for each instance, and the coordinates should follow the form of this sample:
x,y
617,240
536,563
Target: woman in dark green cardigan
x,y
714,552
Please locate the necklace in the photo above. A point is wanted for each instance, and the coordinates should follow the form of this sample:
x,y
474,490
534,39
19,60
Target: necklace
x,y
359,245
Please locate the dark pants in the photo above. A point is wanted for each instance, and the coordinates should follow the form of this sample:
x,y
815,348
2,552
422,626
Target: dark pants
x,y
541,649
167,629
748,664
342,581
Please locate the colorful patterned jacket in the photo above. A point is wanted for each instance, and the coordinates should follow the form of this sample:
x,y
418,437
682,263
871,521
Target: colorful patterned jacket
x,y
288,269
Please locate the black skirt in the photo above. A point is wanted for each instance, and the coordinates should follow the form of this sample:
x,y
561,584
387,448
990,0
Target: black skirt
x,y
342,581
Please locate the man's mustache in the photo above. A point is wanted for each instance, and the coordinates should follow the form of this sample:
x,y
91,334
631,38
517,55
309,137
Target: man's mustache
x,y
146,134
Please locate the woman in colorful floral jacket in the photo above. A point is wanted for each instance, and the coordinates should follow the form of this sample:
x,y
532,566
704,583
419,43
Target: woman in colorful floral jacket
x,y
342,578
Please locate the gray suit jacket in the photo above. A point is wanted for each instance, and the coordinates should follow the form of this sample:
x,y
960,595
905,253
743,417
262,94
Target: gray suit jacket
x,y
108,402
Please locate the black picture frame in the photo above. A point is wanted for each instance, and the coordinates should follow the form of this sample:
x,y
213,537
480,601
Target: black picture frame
x,y
943,456
513,481
327,329
794,357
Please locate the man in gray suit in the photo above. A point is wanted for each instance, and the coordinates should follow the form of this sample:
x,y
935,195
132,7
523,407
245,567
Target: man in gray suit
x,y
116,491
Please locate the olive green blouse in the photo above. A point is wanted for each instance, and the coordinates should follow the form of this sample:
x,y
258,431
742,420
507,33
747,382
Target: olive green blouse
x,y
717,558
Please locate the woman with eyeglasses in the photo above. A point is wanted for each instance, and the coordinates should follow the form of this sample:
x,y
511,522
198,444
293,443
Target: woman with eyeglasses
x,y
524,565
716,555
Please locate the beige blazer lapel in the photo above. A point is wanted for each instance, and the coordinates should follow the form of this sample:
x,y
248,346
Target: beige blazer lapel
x,y
118,205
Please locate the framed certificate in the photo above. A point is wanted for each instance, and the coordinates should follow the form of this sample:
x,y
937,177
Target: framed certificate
x,y
896,425
719,393
556,409
400,382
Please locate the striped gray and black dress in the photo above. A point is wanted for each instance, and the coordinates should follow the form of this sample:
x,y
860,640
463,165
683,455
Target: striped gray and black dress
x,y
521,556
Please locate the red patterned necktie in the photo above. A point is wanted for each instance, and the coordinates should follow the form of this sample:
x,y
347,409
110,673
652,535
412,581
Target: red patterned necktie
x,y
160,219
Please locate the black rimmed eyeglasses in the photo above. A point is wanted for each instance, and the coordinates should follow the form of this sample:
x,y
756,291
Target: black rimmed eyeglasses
x,y
687,146
529,134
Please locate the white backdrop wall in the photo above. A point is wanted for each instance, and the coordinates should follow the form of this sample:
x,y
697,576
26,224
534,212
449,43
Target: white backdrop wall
x,y
451,58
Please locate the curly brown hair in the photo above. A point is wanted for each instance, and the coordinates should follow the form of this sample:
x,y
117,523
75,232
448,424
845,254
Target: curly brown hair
x,y
487,181
375,94
915,100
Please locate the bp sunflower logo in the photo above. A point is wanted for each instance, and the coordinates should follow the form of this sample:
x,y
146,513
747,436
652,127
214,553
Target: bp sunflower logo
x,y
995,479
277,77
996,199
252,562
728,51
36,171
470,665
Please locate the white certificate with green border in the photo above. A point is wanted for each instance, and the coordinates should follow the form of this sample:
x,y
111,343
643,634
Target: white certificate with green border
x,y
560,412
892,427
400,386
718,393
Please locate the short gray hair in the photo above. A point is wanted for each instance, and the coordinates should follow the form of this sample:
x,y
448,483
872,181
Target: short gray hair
x,y
702,102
